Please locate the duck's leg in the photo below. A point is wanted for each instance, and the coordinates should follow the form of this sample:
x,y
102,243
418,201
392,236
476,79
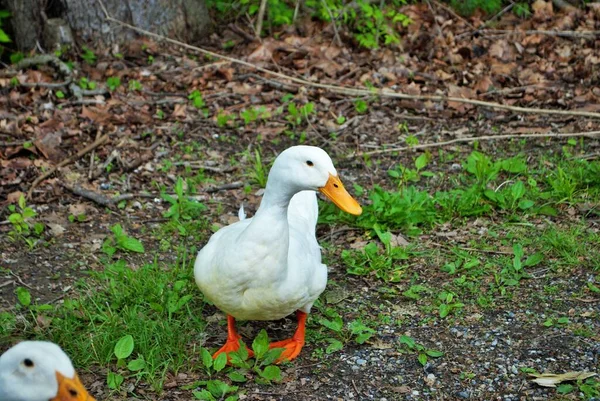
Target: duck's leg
x,y
233,339
292,346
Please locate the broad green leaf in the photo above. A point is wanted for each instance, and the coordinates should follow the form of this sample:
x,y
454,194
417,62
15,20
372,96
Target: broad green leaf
x,y
136,364
361,338
207,360
422,161
24,296
422,359
565,388
131,244
260,345
525,204
204,395
117,230
433,353
272,373
534,259
114,380
22,202
409,341
444,310
237,377
124,347
334,346
220,362
271,356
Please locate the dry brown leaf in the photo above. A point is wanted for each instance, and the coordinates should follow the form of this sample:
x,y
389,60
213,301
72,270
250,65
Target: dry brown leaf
x,y
462,92
13,197
95,114
484,84
49,146
551,379
56,229
502,50
179,110
542,10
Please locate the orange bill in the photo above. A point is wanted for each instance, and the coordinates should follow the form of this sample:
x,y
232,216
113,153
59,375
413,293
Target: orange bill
x,y
334,190
71,389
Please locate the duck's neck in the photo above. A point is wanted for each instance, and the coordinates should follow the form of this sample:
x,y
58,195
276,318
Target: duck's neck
x,y
269,225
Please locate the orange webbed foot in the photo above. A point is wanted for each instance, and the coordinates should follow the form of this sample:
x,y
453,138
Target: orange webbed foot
x,y
292,346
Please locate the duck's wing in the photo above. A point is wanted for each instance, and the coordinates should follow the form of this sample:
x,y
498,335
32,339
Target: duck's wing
x,y
303,211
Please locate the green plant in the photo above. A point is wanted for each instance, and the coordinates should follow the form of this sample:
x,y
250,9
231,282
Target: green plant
x,y
121,241
298,114
448,303
113,83
408,344
355,329
259,172
88,55
252,114
4,38
135,85
22,225
468,7
85,84
361,106
182,206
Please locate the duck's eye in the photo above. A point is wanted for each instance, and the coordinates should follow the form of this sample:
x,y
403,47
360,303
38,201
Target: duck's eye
x,y
336,185
73,392
310,163
28,362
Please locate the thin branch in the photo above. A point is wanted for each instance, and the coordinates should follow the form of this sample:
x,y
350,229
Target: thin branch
x,y
473,139
564,34
260,17
335,30
66,161
353,91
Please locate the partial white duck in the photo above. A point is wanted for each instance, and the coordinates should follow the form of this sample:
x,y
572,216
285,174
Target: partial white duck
x,y
39,371
268,266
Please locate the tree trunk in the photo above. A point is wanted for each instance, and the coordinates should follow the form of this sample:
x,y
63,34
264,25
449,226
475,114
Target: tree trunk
x,y
186,20
26,22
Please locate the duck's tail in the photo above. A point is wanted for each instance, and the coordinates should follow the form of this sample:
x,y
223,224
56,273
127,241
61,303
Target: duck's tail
x,y
241,213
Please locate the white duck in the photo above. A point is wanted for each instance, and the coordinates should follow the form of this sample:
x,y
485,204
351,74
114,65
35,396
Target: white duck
x,y
269,266
39,371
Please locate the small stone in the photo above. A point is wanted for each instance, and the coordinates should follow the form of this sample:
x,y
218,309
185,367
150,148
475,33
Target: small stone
x,y
361,362
463,394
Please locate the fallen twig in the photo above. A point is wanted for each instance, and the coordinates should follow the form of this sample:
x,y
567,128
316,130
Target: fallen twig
x,y
66,161
473,139
9,282
336,34
8,144
563,34
19,280
350,91
233,185
241,33
260,17
213,169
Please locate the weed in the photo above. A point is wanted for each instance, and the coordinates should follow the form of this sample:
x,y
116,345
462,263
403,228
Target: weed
x,y
259,172
113,83
254,114
198,101
355,329
298,114
88,55
183,208
135,85
23,227
121,241
408,344
86,84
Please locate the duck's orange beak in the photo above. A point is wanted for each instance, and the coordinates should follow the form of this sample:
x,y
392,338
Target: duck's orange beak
x,y
71,389
334,190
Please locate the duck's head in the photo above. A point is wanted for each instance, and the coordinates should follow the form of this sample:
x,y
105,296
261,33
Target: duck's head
x,y
302,168
39,371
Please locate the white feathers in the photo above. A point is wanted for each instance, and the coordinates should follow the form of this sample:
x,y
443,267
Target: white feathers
x,y
28,371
